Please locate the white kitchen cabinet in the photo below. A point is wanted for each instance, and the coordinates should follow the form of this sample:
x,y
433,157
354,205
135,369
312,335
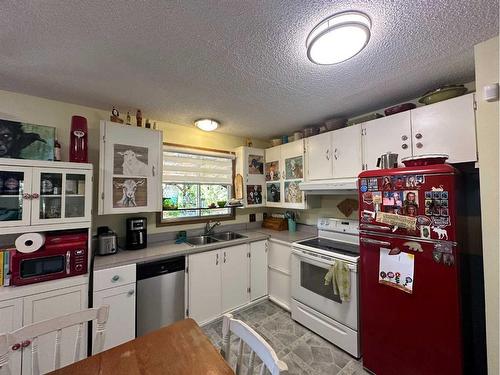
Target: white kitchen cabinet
x,y
446,127
319,157
121,321
234,277
386,134
205,286
48,305
258,269
284,170
335,154
44,192
116,287
11,318
280,258
130,169
250,165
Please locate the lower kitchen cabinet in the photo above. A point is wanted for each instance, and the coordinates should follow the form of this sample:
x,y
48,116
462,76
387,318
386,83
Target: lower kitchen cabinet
x,y
218,282
280,256
121,321
116,287
11,318
205,286
258,269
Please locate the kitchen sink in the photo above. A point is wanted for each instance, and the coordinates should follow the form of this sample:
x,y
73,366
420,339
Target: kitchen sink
x,y
227,236
201,240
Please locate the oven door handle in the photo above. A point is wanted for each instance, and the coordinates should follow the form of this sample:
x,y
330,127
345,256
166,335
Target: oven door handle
x,y
370,241
301,254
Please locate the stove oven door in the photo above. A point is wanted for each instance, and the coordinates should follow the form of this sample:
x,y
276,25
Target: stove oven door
x,y
308,287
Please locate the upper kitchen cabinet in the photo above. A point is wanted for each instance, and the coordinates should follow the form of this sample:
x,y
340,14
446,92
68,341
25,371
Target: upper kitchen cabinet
x,y
386,134
36,193
336,154
446,127
130,169
284,170
250,165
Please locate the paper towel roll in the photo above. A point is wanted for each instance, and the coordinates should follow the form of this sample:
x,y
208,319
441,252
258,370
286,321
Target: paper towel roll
x,y
29,242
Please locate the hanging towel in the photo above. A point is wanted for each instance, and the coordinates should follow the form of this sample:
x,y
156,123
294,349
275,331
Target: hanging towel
x,y
340,277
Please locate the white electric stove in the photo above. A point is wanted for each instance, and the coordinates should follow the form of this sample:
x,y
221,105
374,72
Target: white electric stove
x,y
316,305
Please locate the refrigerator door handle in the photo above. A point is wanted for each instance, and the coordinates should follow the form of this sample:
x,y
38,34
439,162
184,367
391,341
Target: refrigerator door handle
x,y
374,227
374,242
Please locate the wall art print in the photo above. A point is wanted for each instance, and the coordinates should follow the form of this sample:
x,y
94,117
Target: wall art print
x,y
130,192
130,160
255,164
19,140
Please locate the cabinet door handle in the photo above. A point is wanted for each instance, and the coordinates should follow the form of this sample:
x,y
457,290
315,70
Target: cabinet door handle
x,y
217,259
153,170
224,257
131,292
420,145
115,278
26,196
419,136
404,146
35,196
327,154
404,138
283,175
336,154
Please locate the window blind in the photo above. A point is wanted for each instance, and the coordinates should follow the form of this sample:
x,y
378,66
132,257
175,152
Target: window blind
x,y
182,166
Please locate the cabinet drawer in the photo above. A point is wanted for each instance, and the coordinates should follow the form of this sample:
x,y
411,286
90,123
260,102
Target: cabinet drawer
x,y
111,277
280,255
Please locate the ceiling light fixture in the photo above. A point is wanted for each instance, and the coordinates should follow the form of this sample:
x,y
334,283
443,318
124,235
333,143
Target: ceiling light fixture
x,y
338,38
206,124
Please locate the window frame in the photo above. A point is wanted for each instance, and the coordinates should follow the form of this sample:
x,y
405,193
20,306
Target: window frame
x,y
198,219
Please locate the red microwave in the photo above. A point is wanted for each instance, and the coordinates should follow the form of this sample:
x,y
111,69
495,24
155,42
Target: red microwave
x,y
63,255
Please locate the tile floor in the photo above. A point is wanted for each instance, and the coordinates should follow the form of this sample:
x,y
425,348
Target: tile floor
x,y
302,350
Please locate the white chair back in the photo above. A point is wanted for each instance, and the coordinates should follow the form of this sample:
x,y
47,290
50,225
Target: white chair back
x,y
28,335
257,345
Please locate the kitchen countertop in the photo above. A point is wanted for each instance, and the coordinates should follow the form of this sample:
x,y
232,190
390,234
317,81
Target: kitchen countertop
x,y
168,249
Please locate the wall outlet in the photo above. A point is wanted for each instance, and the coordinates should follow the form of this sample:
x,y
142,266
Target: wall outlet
x,y
252,218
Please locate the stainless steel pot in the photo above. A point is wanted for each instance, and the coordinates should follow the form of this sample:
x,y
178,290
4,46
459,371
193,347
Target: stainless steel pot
x,y
387,160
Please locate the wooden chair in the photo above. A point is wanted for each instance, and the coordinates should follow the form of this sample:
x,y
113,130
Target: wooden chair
x,y
28,335
257,345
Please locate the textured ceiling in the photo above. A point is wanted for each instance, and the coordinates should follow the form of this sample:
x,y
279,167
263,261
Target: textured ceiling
x,y
242,62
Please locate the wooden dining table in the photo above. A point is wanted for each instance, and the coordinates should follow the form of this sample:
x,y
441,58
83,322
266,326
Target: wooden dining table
x,y
181,348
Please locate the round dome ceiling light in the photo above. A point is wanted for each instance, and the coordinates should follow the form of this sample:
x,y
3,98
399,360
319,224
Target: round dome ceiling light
x,y
207,124
338,38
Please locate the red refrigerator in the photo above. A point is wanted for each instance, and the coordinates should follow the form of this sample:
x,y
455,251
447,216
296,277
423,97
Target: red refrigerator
x,y
410,296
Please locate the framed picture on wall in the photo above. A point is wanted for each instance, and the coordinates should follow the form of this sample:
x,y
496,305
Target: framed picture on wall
x,y
19,140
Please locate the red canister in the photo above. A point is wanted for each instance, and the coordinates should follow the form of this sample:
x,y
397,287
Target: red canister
x,y
78,150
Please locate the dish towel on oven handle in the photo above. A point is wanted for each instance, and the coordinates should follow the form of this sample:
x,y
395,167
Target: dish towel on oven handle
x,y
340,277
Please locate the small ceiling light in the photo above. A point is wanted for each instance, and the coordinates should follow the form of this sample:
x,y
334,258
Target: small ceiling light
x,y
338,38
206,124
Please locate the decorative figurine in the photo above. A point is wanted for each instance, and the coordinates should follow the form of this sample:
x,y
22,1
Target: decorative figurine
x,y
115,116
148,124
138,118
154,125
128,119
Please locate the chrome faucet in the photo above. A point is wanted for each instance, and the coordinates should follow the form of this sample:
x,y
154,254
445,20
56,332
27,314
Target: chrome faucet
x,y
209,229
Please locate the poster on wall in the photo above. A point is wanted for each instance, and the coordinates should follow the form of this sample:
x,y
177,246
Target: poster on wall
x,y
255,164
130,192
20,140
130,160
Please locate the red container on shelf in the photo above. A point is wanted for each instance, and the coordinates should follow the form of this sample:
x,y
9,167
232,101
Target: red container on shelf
x,y
78,150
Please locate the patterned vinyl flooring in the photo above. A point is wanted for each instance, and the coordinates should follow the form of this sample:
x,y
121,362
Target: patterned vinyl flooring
x,y
302,350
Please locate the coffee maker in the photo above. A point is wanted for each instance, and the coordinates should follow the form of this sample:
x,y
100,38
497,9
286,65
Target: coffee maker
x,y
136,237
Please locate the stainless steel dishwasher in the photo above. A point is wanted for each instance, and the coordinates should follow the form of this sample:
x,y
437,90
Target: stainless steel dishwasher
x,y
160,293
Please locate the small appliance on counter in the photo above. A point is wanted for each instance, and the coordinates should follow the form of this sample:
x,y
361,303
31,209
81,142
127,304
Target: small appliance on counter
x,y
136,237
106,241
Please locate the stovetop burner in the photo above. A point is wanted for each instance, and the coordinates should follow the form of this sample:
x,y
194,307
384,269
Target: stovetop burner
x,y
332,246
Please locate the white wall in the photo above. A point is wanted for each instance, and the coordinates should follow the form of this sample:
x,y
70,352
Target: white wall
x,y
487,117
58,114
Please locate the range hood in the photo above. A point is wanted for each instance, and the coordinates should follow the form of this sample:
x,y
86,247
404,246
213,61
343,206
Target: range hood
x,y
336,186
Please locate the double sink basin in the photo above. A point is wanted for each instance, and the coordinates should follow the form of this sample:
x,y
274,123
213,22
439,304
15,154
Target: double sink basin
x,y
213,238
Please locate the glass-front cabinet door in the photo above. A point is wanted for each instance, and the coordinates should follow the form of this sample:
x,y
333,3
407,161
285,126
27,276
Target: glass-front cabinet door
x,y
61,196
292,155
15,196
